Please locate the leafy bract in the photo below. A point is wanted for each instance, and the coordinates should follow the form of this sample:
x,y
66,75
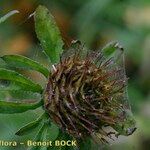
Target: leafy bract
x,y
111,48
19,95
7,107
19,61
41,136
48,34
19,80
30,126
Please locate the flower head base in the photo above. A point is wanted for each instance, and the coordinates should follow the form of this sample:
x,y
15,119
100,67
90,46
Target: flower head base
x,y
85,93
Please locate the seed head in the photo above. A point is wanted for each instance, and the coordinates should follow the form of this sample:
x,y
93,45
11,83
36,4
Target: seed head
x,y
83,94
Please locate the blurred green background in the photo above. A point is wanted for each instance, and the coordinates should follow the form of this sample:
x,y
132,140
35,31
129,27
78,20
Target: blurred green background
x,y
94,22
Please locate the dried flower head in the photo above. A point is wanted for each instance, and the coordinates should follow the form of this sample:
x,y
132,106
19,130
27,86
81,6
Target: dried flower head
x,y
84,93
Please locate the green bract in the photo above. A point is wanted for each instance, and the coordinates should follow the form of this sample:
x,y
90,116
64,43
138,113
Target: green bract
x,y
48,34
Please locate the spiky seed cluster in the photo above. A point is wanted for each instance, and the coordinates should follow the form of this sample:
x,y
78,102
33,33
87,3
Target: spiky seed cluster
x,y
83,94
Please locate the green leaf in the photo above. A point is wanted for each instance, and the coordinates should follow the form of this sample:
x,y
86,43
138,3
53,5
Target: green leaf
x,y
19,80
7,85
24,95
62,136
41,136
85,145
11,13
19,95
19,61
88,144
30,126
52,131
111,48
7,107
48,34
